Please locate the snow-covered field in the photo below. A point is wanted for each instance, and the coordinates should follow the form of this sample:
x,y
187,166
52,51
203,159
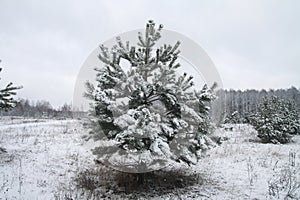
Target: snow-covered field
x,y
48,159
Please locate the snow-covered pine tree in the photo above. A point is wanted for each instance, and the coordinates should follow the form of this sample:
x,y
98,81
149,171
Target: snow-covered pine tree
x,y
233,118
149,113
276,120
6,100
6,96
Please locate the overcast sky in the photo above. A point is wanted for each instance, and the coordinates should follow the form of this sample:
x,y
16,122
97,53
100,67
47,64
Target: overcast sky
x,y
254,44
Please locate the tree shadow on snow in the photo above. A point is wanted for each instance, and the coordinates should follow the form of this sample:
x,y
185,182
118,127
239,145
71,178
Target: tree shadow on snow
x,y
105,181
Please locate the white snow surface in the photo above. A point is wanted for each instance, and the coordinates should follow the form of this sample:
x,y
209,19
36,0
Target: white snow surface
x,y
41,155
44,157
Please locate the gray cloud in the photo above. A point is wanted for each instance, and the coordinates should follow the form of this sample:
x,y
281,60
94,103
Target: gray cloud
x,y
254,44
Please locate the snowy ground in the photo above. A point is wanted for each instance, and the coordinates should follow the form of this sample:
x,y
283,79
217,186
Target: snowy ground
x,y
48,159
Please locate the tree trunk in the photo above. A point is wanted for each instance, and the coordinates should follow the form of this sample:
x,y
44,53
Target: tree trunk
x,y
141,178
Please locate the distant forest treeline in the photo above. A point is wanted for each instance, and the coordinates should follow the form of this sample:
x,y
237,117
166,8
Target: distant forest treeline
x,y
243,102
38,109
246,102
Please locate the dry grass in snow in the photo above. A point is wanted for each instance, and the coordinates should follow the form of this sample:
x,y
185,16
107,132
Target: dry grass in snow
x,y
48,159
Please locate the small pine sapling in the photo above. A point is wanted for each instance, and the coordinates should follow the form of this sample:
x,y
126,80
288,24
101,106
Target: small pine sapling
x,y
148,113
276,121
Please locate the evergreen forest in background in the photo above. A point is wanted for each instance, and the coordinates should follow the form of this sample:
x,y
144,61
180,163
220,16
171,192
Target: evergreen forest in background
x,y
244,103
241,102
